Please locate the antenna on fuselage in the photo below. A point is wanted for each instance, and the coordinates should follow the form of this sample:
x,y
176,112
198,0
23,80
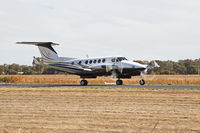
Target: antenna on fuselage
x,y
87,55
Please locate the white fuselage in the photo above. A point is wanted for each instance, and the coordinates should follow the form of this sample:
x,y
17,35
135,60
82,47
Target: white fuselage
x,y
92,67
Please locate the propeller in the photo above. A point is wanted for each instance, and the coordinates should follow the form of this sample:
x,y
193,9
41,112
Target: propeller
x,y
37,61
38,64
116,67
150,75
153,64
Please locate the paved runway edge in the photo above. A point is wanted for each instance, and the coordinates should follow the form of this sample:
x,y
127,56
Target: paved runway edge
x,y
103,86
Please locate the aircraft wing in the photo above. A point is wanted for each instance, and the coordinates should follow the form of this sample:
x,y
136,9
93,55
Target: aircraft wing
x,y
95,67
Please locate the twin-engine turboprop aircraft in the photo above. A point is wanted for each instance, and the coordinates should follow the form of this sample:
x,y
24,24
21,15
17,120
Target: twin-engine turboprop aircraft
x,y
117,66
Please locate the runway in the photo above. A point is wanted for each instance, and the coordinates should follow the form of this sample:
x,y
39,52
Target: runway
x,y
102,86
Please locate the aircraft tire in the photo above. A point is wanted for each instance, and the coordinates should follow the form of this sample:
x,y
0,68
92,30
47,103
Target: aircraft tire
x,y
119,82
142,82
84,82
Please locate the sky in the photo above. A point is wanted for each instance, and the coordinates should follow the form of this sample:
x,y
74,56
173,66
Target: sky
x,y
136,29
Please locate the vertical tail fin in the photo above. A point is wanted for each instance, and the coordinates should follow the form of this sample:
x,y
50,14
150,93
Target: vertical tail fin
x,y
46,50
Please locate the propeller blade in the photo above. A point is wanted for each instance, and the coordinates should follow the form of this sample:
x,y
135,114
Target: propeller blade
x,y
114,74
151,76
156,64
120,67
153,65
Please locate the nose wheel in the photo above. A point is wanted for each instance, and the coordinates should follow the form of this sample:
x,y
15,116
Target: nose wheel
x,y
119,82
84,82
142,82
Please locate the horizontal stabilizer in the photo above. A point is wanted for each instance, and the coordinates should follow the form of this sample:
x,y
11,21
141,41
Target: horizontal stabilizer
x,y
38,43
47,51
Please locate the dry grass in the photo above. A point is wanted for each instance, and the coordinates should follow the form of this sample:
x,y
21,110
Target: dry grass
x,y
70,79
69,110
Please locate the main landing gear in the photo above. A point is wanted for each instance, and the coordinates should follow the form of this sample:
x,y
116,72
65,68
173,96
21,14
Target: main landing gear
x,y
119,82
142,82
84,82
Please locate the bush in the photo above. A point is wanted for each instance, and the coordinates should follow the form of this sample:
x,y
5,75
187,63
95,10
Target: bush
x,y
6,80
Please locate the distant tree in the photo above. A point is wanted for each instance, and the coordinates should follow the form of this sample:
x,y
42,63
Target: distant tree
x,y
1,70
27,70
50,71
180,68
190,66
165,72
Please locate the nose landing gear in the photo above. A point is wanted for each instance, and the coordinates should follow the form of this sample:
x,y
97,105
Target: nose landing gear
x,y
142,82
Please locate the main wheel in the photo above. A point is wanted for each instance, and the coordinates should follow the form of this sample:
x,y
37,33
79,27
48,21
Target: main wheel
x,y
119,82
84,82
142,82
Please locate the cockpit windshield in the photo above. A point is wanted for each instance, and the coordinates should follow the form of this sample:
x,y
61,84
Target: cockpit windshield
x,y
118,59
121,58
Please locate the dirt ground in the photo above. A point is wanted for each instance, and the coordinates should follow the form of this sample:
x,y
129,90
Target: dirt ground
x,y
97,110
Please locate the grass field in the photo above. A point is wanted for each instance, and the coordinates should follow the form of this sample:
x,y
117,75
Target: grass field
x,y
97,110
69,79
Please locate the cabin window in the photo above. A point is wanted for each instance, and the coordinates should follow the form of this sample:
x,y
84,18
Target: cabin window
x,y
113,60
104,60
72,63
90,61
79,62
95,61
86,62
99,61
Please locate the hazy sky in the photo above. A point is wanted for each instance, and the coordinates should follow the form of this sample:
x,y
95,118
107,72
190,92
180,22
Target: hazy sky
x,y
137,29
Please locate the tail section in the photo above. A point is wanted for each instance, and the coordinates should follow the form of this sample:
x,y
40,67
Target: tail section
x,y
46,50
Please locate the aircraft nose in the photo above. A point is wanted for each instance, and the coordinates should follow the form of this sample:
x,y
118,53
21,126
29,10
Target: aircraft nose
x,y
140,66
137,65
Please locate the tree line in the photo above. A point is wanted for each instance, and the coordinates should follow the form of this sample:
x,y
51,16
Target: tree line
x,y
187,66
16,69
